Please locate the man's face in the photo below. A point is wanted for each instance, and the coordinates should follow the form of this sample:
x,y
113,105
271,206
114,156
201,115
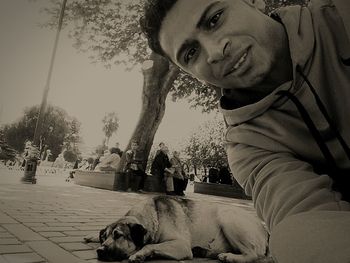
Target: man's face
x,y
162,147
226,43
165,149
134,146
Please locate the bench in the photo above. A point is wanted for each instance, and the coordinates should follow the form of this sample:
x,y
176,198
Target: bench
x,y
226,190
111,180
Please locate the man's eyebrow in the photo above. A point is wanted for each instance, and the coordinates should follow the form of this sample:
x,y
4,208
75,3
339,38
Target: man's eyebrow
x,y
182,49
200,22
204,15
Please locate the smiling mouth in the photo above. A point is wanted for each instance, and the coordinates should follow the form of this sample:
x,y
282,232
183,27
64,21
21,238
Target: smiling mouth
x,y
238,64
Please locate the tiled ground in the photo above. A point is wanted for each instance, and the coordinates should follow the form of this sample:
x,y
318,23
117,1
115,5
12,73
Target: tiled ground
x,y
46,222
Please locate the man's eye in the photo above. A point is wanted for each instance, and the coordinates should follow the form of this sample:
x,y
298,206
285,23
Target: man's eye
x,y
190,54
213,20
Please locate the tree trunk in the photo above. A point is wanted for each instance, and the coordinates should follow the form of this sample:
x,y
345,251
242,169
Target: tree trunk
x,y
159,76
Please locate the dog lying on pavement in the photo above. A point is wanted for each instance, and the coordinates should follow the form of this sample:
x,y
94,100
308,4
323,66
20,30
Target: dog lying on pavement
x,y
179,229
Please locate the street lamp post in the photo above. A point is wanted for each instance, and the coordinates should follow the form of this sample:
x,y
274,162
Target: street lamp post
x,y
30,167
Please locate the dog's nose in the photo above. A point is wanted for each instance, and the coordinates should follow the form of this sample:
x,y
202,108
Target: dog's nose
x,y
101,252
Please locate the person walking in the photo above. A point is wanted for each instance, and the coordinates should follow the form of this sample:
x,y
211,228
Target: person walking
x,y
179,177
134,169
161,167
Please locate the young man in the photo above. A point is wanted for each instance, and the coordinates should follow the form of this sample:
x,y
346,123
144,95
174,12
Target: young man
x,y
161,166
134,168
286,89
180,178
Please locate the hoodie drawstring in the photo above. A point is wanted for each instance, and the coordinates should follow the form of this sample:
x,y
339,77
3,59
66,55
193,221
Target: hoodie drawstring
x,y
341,177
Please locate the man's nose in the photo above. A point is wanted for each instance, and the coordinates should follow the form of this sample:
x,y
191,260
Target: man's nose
x,y
216,50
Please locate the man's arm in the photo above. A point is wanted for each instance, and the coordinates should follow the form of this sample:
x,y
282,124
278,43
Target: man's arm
x,y
280,184
343,8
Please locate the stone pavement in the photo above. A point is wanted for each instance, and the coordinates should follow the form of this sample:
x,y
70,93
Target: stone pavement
x,y
46,222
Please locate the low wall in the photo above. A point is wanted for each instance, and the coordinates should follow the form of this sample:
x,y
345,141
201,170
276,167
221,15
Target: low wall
x,y
104,180
226,190
111,180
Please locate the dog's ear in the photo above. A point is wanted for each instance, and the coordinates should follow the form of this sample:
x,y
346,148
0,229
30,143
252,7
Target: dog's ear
x,y
102,235
137,233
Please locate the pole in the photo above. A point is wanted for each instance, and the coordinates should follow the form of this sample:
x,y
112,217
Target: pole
x,y
29,175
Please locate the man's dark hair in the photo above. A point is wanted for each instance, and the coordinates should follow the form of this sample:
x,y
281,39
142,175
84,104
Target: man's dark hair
x,y
151,21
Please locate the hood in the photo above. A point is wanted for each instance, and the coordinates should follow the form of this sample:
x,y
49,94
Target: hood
x,y
297,21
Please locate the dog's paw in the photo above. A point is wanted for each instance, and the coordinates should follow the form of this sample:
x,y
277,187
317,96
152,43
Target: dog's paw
x,y
91,239
228,258
240,258
136,258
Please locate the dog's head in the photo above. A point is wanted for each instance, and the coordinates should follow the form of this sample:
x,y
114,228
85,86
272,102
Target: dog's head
x,y
121,239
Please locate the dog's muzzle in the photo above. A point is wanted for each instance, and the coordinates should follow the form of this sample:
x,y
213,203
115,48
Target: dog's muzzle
x,y
106,254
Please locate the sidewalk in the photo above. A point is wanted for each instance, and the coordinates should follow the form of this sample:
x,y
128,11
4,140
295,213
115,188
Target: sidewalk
x,y
46,222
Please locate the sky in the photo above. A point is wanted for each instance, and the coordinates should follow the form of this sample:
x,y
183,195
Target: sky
x,y
86,91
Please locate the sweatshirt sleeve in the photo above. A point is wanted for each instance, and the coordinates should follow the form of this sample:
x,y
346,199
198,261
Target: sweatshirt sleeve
x,y
343,8
280,184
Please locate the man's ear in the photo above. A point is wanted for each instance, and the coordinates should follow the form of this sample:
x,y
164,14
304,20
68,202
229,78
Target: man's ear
x,y
137,233
258,4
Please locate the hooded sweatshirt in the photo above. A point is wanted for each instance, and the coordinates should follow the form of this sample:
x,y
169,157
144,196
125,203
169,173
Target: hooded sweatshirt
x,y
271,150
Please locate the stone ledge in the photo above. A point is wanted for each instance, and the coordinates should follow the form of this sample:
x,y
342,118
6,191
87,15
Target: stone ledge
x,y
111,180
103,180
220,190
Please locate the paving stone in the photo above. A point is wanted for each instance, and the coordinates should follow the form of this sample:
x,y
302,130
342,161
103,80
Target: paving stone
x,y
35,224
99,223
5,219
5,235
53,253
37,220
60,224
75,246
86,254
74,220
22,232
2,229
51,234
24,258
8,249
9,241
66,239
81,232
85,227
53,228
3,260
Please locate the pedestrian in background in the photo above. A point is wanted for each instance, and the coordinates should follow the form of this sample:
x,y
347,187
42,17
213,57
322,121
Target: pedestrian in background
x,y
134,169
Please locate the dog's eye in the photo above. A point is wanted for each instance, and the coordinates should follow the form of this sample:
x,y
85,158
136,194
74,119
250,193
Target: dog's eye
x,y
102,235
117,234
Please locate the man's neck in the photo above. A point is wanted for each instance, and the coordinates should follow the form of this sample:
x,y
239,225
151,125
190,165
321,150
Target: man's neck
x,y
282,70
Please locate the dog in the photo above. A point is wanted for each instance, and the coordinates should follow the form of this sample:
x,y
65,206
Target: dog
x,y
177,228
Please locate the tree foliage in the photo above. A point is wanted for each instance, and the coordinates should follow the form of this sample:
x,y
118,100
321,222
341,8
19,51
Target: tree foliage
x,y
110,125
110,33
6,151
205,146
57,132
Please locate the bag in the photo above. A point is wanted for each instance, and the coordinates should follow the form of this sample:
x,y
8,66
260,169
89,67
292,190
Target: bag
x,y
169,182
133,166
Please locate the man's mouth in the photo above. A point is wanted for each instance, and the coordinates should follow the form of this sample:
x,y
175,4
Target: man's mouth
x,y
240,61
231,69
